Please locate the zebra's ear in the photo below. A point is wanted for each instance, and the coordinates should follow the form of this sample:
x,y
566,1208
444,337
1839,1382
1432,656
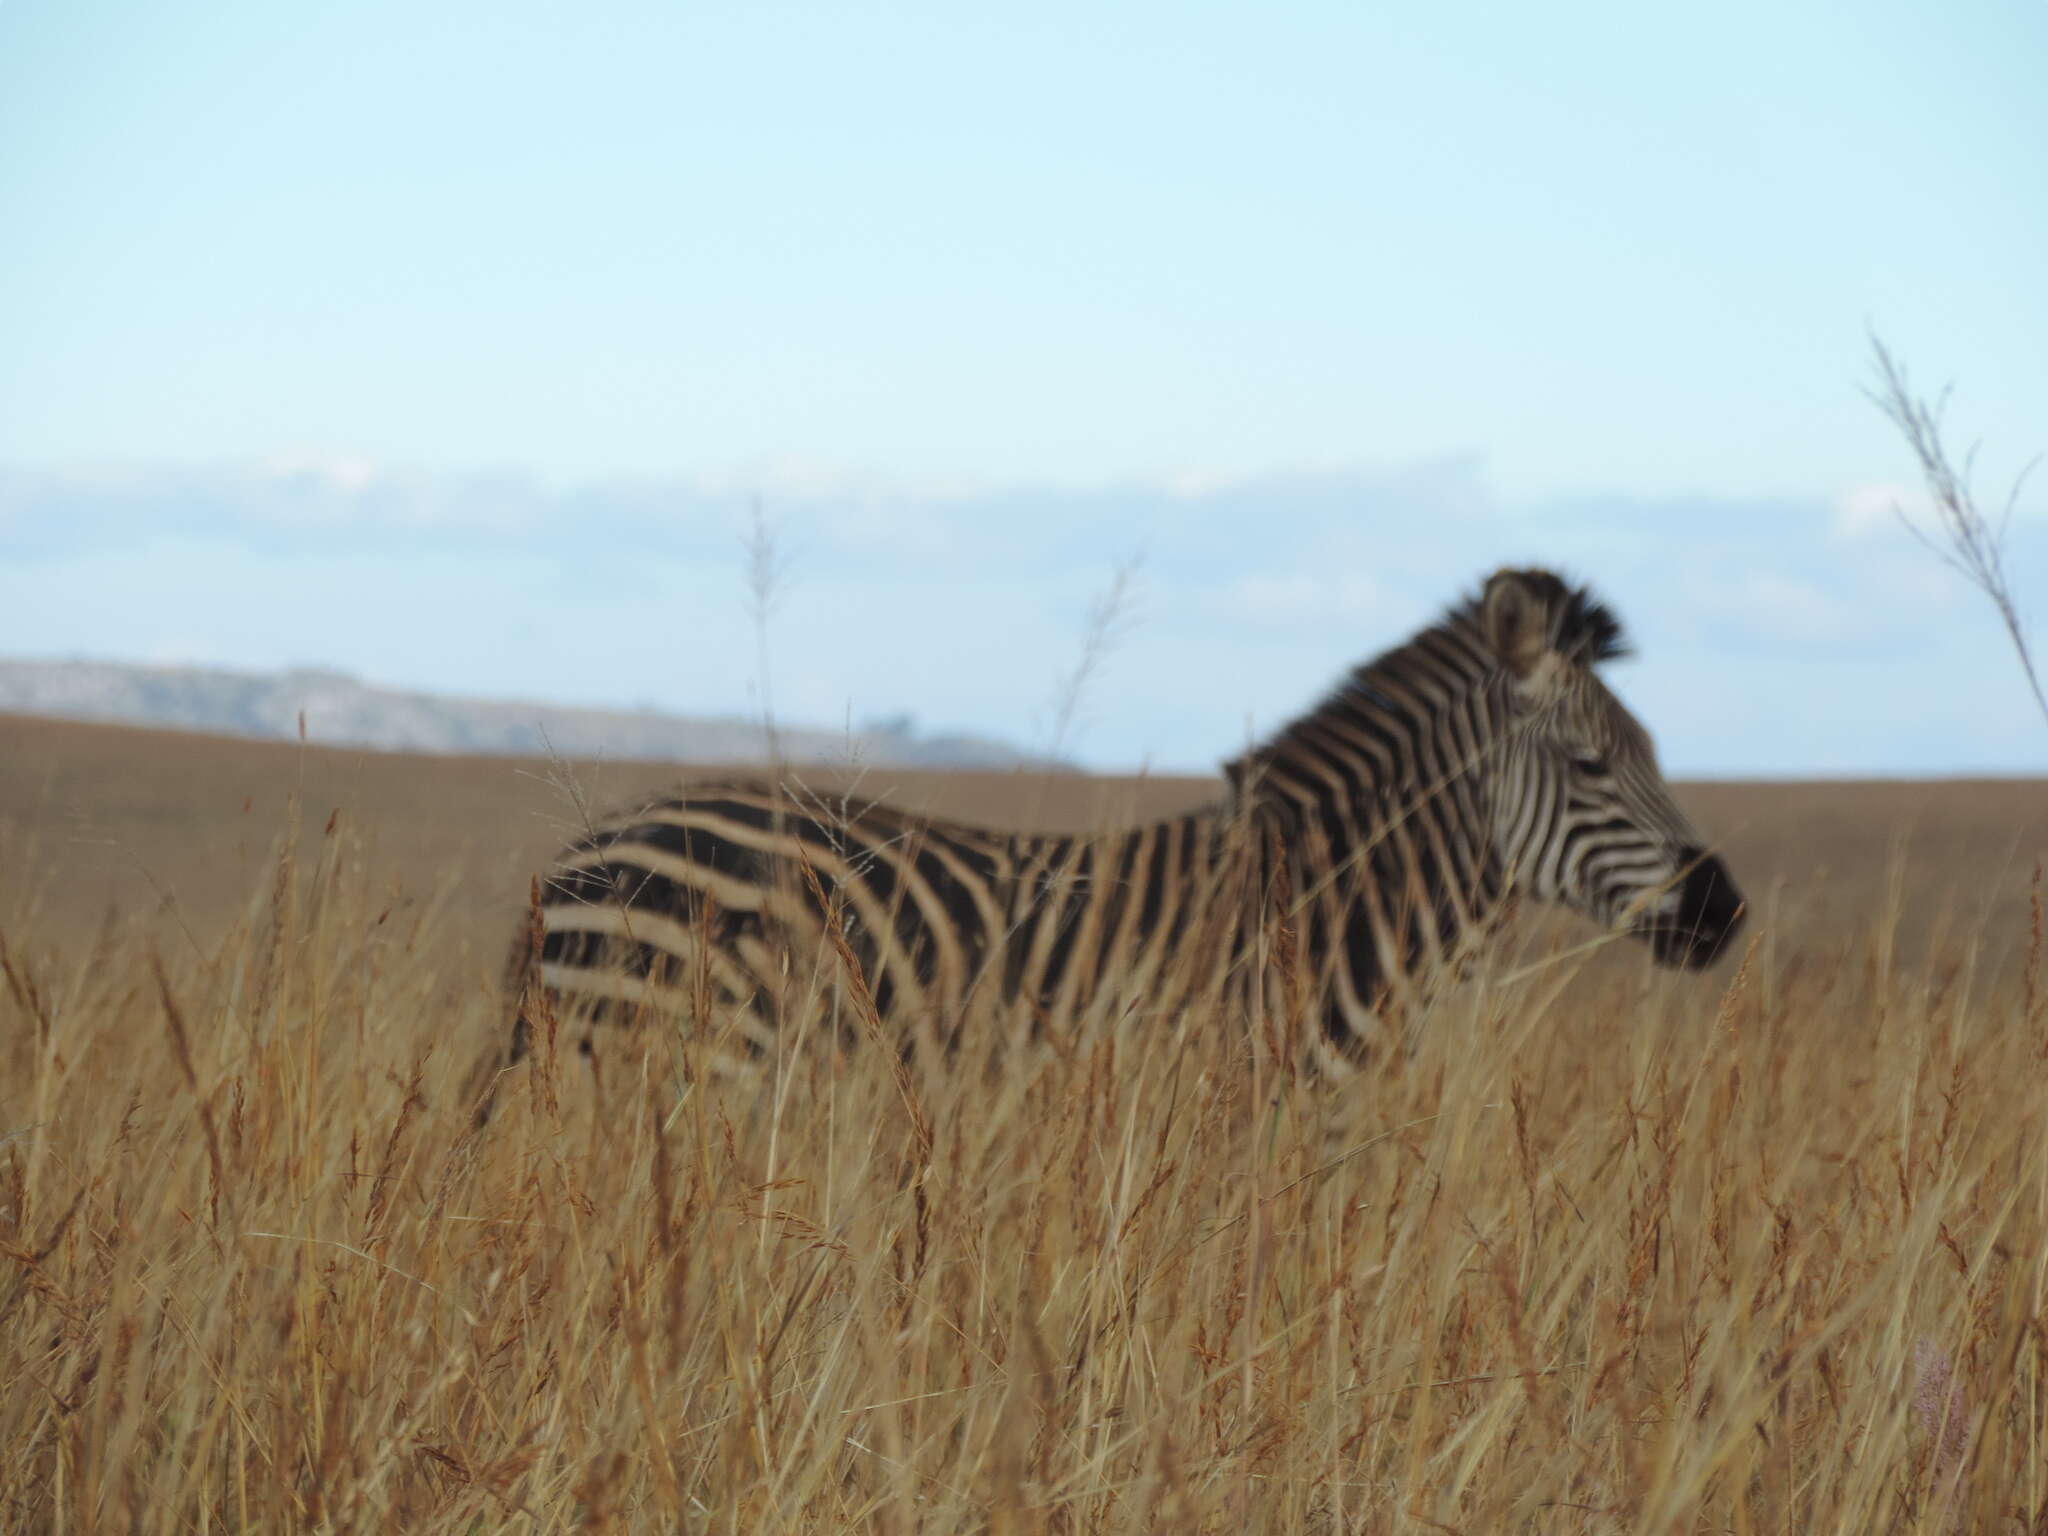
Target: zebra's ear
x,y
1515,620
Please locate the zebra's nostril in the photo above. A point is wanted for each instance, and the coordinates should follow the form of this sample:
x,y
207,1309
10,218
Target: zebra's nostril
x,y
1710,908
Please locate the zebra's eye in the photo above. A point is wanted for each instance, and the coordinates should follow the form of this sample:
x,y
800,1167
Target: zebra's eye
x,y
1591,763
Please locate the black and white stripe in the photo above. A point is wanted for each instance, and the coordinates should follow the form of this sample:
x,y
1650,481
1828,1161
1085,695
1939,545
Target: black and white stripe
x,y
1356,853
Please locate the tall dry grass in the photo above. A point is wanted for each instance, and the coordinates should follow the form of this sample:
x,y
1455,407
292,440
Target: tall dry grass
x,y
1613,1251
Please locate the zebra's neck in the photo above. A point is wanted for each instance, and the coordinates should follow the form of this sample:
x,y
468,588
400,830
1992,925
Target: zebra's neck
x,y
1357,841
1378,804
1424,710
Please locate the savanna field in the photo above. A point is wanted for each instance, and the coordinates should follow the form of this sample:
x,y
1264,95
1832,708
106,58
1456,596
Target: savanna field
x,y
1614,1249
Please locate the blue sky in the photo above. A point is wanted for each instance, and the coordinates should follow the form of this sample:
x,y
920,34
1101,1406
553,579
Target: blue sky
x,y
449,344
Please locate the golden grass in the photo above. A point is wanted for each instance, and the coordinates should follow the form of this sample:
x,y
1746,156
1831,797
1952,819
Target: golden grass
x,y
1616,1250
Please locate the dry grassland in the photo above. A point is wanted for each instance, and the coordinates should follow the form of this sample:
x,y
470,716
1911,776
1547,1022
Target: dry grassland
x,y
1615,1250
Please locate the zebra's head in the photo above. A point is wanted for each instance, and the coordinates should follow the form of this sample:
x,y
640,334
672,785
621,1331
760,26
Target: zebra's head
x,y
1582,814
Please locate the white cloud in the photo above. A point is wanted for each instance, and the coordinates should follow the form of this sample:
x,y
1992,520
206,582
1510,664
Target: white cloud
x,y
797,479
1302,599
350,475
1792,608
1198,484
1872,507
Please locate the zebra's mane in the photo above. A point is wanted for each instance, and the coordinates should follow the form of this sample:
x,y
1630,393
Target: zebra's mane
x,y
1584,629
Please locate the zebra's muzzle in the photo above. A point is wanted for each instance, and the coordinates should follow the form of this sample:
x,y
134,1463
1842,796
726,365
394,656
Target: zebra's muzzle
x,y
1707,915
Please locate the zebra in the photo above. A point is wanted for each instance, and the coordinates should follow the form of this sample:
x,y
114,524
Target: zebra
x,y
1356,857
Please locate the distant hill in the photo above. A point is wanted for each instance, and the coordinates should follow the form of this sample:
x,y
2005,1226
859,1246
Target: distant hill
x,y
341,710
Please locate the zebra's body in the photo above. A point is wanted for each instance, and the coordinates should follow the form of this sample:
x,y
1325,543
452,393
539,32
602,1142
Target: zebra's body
x,y
1355,855
742,892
